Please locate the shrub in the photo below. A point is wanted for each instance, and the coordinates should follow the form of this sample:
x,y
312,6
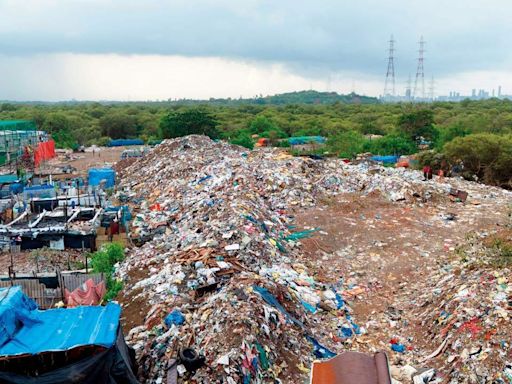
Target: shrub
x,y
103,261
486,155
189,122
390,145
435,159
261,124
346,144
243,139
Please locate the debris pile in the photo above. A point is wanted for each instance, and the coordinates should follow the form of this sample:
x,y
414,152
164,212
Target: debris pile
x,y
222,252
219,279
467,314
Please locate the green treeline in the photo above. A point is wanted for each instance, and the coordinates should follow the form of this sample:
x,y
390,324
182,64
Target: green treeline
x,y
474,133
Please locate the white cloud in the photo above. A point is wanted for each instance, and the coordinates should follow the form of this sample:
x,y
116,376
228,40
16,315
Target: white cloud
x,y
295,43
141,77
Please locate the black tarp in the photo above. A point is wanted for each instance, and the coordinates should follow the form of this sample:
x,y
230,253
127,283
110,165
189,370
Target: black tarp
x,y
115,365
70,241
79,241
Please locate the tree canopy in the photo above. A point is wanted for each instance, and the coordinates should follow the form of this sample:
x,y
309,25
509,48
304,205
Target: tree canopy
x,y
188,122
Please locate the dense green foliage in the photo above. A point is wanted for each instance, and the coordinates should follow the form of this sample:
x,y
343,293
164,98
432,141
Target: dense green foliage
x,y
486,155
188,122
103,261
301,97
349,124
418,125
392,144
244,139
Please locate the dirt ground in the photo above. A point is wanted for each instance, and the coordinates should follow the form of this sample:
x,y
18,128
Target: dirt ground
x,y
82,161
42,260
387,251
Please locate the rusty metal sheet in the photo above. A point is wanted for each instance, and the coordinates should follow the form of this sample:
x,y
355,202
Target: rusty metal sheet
x,y
352,368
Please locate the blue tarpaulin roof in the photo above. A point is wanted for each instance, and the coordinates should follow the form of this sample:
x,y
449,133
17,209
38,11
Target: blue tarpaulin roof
x,y
300,140
39,187
26,330
386,159
8,179
96,175
125,142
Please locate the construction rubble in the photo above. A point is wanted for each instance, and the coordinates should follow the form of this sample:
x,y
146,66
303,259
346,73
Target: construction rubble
x,y
220,280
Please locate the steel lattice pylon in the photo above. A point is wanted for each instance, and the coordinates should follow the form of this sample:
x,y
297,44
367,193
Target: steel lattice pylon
x,y
420,72
390,73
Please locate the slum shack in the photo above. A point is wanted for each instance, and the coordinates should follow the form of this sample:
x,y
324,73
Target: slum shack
x,y
64,227
48,289
48,197
306,143
82,344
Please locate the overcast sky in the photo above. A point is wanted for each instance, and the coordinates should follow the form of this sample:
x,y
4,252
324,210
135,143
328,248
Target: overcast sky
x,y
156,49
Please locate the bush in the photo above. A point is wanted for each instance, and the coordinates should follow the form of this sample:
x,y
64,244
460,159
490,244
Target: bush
x,y
118,126
346,144
114,286
448,134
390,145
103,261
486,155
189,122
261,124
283,144
243,139
435,159
418,124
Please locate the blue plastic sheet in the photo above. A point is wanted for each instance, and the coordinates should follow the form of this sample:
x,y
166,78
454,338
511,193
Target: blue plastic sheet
x,y
309,307
301,140
386,159
15,308
43,191
175,317
31,331
125,142
319,350
270,299
96,175
16,188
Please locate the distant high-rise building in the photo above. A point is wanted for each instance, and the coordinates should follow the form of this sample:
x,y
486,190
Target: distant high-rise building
x,y
499,91
408,93
473,93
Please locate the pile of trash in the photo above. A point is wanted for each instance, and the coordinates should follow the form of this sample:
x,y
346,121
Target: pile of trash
x,y
218,281
467,315
219,272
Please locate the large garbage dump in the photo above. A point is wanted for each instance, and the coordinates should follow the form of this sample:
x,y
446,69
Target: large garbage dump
x,y
220,279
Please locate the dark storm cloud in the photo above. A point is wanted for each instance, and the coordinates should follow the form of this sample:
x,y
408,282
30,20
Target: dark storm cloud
x,y
332,35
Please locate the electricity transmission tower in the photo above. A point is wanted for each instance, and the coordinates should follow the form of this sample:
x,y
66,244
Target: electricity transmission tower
x,y
389,85
420,72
